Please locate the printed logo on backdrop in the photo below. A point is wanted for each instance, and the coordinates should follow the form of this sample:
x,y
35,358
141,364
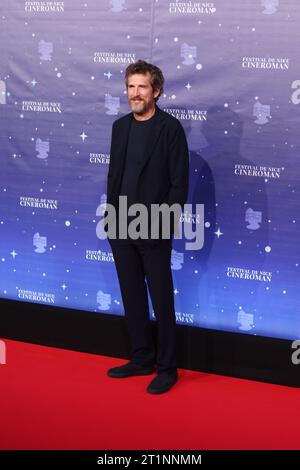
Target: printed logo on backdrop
x,y
98,255
186,114
262,112
112,103
2,92
40,243
296,94
190,218
253,219
38,203
99,158
123,58
44,7
42,297
248,274
192,8
265,63
181,317
270,6
117,5
42,147
188,53
177,260
41,107
258,171
245,320
103,300
45,50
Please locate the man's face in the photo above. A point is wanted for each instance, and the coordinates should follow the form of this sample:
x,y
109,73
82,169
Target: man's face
x,y
140,93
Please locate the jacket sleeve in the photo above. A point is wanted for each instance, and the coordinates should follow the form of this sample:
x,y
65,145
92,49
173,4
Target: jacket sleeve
x,y
109,176
179,167
110,168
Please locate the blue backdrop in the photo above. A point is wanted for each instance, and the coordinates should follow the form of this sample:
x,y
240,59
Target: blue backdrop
x,y
233,80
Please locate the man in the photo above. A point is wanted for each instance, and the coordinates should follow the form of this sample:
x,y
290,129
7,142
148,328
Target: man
x,y
149,164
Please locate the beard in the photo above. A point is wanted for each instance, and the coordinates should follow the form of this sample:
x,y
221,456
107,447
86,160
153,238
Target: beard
x,y
139,107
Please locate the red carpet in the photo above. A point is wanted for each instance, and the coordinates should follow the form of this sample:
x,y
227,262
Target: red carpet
x,y
58,399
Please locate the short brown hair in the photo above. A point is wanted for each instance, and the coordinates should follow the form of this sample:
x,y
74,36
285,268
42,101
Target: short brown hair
x,y
156,75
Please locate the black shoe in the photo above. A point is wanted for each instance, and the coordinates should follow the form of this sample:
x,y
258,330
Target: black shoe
x,y
130,369
162,382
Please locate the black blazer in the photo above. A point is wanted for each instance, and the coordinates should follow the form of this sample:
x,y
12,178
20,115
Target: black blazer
x,y
164,170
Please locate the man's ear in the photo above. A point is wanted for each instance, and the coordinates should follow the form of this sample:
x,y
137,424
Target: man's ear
x,y
156,93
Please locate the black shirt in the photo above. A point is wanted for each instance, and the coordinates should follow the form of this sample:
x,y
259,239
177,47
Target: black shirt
x,y
137,146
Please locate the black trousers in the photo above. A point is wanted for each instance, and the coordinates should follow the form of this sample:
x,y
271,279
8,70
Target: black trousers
x,y
140,265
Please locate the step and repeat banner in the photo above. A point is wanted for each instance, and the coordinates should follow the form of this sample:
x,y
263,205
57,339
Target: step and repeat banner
x,y
232,75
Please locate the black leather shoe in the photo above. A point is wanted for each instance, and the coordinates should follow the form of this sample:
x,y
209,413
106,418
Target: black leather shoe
x,y
130,369
162,382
